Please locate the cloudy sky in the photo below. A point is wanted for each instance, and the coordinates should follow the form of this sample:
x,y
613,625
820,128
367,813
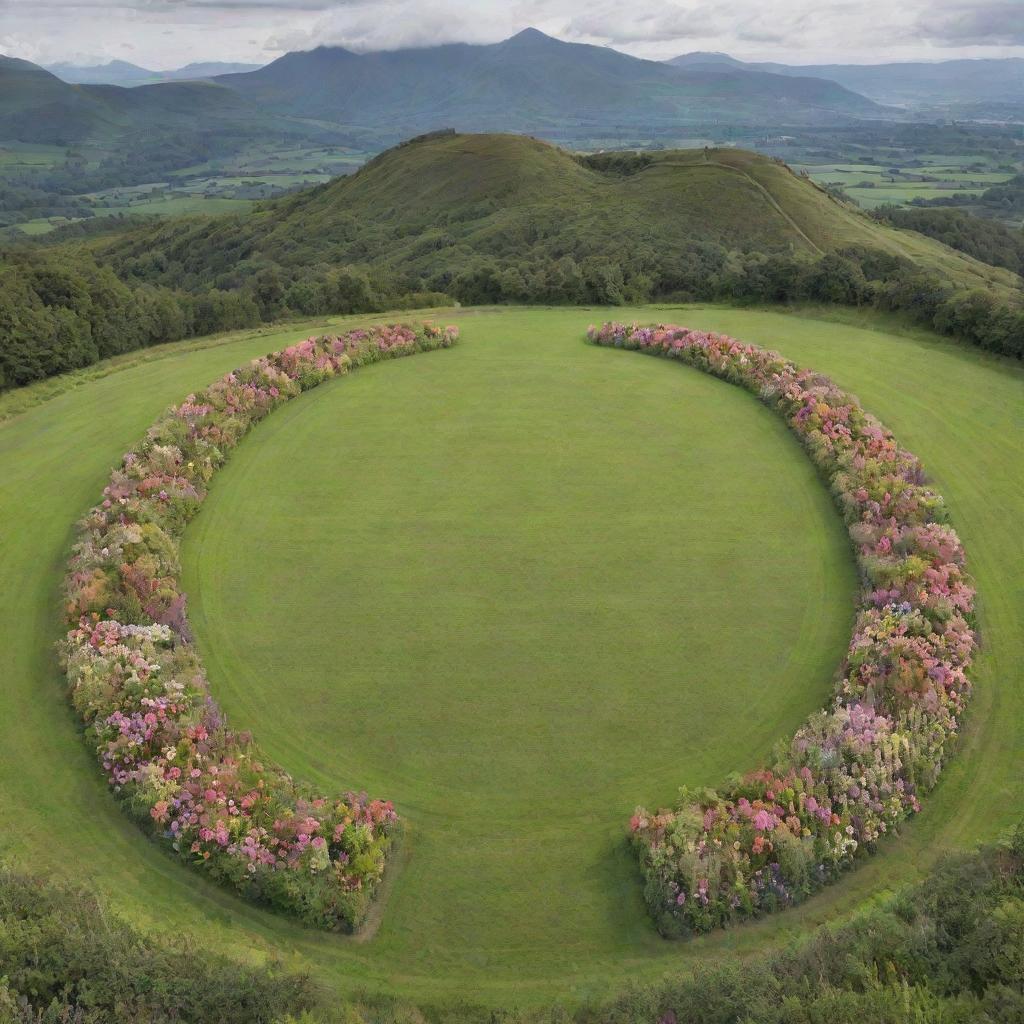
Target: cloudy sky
x,y
163,34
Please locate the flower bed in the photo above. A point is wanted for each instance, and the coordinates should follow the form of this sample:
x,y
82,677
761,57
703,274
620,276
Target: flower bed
x,y
138,683
857,768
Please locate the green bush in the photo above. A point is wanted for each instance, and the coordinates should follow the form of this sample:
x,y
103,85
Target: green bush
x,y
65,957
947,951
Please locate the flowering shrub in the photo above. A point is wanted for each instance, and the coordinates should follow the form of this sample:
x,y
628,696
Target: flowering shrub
x,y
857,768
138,683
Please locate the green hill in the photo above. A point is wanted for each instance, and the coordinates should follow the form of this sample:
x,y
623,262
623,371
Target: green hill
x,y
430,210
486,219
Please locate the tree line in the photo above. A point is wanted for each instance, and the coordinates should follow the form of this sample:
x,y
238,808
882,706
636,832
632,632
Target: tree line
x,y
61,310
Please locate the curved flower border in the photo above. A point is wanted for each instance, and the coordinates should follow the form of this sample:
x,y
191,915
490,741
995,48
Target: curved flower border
x,y
137,681
857,768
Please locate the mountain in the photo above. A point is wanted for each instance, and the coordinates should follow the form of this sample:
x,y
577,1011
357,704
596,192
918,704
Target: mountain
x,y
36,106
921,85
209,69
116,72
708,59
24,85
119,72
442,206
530,82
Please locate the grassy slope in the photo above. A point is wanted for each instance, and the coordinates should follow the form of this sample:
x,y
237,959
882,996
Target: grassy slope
x,y
446,201
958,410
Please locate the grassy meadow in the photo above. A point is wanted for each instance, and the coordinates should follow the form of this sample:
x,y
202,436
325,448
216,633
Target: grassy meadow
x,y
517,586
926,177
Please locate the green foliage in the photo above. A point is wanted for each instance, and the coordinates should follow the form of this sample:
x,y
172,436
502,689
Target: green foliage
x,y
988,240
65,957
617,162
60,312
948,951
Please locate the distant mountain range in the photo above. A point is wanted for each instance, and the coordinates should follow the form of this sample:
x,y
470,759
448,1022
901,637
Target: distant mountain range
x,y
919,85
529,83
120,72
36,106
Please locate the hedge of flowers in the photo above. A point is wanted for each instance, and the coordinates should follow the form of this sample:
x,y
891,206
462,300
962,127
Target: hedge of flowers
x,y
857,768
138,683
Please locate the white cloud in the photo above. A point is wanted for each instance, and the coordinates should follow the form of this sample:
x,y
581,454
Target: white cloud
x,y
988,23
798,31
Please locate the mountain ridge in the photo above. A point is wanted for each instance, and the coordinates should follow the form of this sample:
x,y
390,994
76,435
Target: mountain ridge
x,y
525,82
124,73
906,83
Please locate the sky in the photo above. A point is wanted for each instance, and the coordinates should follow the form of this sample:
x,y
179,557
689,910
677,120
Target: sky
x,y
163,34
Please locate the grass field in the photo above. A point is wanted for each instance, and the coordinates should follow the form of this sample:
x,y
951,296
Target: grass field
x,y
873,185
507,585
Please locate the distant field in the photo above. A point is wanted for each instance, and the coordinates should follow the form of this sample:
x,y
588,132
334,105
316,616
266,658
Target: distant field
x,y
224,185
518,586
15,155
873,185
162,206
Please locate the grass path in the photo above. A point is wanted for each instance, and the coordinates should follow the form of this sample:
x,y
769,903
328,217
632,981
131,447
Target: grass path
x,y
603,447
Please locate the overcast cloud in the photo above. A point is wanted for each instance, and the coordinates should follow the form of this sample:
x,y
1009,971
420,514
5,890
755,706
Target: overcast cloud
x,y
168,33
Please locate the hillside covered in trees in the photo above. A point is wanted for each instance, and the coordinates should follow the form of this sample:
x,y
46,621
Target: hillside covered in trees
x,y
493,218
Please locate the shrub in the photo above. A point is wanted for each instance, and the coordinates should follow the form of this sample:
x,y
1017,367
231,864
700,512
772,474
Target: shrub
x,y
65,957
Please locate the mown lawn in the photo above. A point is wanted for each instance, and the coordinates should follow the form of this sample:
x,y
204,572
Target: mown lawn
x,y
518,586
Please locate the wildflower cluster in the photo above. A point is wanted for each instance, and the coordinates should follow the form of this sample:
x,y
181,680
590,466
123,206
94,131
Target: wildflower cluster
x,y
856,769
137,681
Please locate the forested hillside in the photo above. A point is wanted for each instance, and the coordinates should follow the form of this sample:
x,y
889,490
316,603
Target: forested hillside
x,y
445,207
493,218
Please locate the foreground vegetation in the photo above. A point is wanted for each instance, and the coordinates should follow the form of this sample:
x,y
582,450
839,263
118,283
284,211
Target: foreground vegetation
x,y
66,959
947,950
517,889
988,240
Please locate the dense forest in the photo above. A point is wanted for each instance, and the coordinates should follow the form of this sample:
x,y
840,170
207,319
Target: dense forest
x,y
59,313
948,950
